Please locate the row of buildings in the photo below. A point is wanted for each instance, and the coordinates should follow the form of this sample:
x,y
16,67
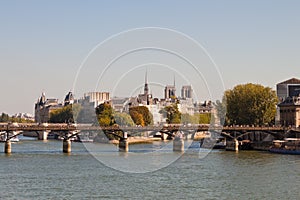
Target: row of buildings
x,y
288,108
90,100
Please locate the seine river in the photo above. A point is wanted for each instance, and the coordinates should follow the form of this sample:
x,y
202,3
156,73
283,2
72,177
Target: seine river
x,y
38,170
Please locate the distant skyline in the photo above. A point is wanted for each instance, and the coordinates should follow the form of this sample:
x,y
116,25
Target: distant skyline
x,y
43,44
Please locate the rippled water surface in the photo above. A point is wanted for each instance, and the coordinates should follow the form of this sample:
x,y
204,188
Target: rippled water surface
x,y
38,170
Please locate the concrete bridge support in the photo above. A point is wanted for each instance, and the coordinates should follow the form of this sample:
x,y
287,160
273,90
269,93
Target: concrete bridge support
x,y
67,146
7,147
163,136
43,135
123,145
236,145
178,144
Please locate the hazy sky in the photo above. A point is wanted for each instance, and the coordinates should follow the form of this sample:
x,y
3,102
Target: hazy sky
x,y
43,44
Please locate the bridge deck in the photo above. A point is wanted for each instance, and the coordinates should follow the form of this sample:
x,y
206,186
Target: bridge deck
x,y
73,127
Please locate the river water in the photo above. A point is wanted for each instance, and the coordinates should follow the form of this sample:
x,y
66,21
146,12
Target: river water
x,y
38,170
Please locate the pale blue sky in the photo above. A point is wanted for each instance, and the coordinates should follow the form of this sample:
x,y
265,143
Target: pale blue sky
x,y
44,42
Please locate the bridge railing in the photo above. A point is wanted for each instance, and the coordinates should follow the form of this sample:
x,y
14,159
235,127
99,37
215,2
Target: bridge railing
x,y
90,127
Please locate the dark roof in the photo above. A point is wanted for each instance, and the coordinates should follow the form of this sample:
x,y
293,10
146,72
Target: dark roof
x,y
69,97
291,81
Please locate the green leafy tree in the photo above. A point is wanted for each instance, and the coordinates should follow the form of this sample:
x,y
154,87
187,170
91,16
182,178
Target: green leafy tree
x,y
172,114
202,118
123,119
137,118
4,117
66,114
141,115
104,114
186,119
251,104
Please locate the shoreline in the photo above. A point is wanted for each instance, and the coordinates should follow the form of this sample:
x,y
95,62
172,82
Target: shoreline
x,y
138,140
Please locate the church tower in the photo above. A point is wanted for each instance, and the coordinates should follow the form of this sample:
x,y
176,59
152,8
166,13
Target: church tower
x,y
146,88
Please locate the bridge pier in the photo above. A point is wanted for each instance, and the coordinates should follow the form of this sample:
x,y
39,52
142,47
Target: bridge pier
x,y
43,135
123,143
7,147
163,136
178,143
67,146
236,145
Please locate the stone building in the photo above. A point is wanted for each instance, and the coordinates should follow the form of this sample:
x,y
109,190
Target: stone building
x,y
97,97
43,108
170,92
146,98
120,104
286,89
186,106
69,99
290,111
186,92
88,105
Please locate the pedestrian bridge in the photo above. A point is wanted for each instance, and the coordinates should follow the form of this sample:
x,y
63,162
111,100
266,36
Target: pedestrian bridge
x,y
68,131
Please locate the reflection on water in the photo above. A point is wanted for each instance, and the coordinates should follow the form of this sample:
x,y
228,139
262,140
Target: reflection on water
x,y
39,170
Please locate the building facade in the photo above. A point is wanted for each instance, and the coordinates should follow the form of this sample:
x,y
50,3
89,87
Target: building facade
x,y
88,105
286,89
290,112
43,108
187,92
97,97
170,92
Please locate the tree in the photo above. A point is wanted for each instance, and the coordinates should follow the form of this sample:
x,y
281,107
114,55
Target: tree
x,y
141,115
200,118
104,114
66,114
4,117
172,114
186,119
251,104
137,118
123,119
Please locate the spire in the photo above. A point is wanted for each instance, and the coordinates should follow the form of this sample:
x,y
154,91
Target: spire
x,y
146,76
174,80
146,89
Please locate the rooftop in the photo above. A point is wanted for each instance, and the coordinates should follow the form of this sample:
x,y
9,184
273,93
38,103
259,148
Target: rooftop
x,y
291,81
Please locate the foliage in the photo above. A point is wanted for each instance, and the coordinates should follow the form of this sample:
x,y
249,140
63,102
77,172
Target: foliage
x,y
66,114
201,118
204,118
186,119
141,115
137,118
104,114
123,119
172,114
6,118
251,104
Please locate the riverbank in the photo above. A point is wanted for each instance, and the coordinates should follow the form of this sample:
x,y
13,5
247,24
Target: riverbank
x,y
138,140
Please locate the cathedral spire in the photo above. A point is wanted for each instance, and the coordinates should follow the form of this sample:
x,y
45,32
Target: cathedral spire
x,y
146,89
146,76
174,80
